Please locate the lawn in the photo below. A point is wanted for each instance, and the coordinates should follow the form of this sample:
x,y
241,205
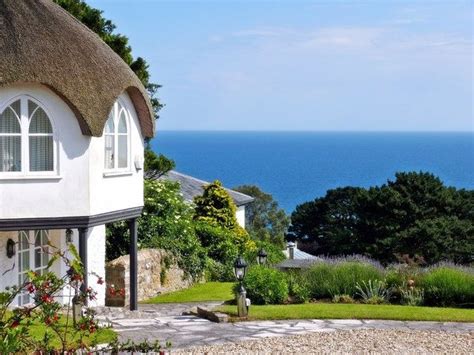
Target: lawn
x,y
209,291
354,311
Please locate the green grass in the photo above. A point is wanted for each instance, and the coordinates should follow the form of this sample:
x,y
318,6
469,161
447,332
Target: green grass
x,y
354,311
209,291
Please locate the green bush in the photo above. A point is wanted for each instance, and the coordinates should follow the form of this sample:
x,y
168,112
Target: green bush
x,y
274,253
166,223
217,271
412,297
373,292
298,287
448,286
329,279
265,285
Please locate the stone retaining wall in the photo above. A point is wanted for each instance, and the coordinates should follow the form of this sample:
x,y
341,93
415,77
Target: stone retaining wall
x,y
157,273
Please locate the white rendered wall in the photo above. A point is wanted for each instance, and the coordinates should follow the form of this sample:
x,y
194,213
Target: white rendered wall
x,y
124,190
67,192
240,215
96,262
79,187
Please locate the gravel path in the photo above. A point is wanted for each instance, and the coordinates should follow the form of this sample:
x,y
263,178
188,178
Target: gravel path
x,y
393,341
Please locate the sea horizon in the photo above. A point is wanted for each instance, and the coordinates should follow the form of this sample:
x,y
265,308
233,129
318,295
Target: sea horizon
x,y
298,166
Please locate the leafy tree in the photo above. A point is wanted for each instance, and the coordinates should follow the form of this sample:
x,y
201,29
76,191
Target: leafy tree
x,y
216,207
166,223
156,165
416,214
264,220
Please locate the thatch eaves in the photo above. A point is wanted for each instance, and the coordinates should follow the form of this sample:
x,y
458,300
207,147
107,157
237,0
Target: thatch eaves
x,y
42,43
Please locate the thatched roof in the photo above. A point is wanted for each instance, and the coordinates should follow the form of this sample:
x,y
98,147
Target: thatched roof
x,y
42,43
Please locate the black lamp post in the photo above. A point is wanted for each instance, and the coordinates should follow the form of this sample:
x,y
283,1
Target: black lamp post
x,y
262,257
240,269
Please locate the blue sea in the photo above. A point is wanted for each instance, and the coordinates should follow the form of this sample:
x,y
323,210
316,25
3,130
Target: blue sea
x,y
299,166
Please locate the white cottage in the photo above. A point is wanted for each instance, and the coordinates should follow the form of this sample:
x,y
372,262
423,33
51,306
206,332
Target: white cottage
x,y
73,119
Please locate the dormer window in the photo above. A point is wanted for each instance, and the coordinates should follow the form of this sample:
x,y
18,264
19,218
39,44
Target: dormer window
x,y
26,139
116,139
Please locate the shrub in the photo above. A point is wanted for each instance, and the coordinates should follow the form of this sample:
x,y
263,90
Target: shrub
x,y
343,299
448,286
166,223
274,253
412,297
329,279
265,285
298,287
217,271
373,291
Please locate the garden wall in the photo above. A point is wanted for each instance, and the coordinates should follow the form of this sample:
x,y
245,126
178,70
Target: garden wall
x,y
157,273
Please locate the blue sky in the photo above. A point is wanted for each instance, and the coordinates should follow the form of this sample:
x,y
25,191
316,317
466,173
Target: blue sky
x,y
305,65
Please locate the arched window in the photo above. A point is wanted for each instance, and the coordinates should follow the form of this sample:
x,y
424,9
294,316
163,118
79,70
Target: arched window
x,y
10,138
26,138
116,139
40,136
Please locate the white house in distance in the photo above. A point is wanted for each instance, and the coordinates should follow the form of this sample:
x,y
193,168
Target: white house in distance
x,y
73,119
192,187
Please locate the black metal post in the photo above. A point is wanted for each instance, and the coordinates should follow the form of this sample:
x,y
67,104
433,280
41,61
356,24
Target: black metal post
x,y
132,223
83,256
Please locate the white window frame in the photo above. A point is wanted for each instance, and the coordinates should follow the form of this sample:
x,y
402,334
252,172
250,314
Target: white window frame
x,y
118,107
23,298
25,139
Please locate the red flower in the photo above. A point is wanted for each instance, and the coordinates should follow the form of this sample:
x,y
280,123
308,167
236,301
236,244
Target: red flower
x,y
30,287
100,280
122,292
46,298
112,291
15,323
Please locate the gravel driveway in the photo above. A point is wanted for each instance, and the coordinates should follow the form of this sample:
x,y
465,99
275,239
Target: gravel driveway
x,y
387,341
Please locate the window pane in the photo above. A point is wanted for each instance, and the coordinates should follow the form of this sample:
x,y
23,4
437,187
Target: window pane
x,y
109,151
122,127
9,121
41,153
38,239
122,151
37,258
10,153
109,125
31,108
45,257
24,242
40,123
25,265
16,107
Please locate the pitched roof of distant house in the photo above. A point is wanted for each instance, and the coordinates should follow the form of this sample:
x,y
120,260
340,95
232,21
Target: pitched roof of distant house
x,y
299,255
297,263
42,43
300,259
192,187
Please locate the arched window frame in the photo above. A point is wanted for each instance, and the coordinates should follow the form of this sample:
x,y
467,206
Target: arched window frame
x,y
25,141
115,115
